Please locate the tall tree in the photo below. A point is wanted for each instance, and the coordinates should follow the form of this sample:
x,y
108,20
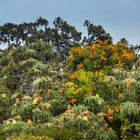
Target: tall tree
x,y
65,36
95,33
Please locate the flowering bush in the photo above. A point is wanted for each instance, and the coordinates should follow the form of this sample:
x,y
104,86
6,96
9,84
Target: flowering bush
x,y
80,119
101,56
94,95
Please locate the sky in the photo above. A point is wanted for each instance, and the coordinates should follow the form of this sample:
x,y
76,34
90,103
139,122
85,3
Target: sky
x,y
120,18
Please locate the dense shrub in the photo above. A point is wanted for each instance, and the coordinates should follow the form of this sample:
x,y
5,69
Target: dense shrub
x,y
93,95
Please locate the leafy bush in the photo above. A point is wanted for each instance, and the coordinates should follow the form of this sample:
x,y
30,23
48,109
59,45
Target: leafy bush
x,y
4,103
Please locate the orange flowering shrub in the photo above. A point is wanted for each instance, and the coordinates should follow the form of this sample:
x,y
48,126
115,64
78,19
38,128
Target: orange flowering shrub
x,y
73,76
101,56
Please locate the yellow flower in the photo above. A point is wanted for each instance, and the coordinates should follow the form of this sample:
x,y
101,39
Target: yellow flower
x,y
90,94
26,98
35,101
78,90
36,110
99,74
69,84
14,122
85,118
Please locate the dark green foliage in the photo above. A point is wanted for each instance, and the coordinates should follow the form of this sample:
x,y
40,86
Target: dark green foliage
x,y
95,33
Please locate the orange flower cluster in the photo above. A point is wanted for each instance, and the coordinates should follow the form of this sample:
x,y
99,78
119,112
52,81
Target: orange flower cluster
x,y
110,111
127,55
91,55
102,52
73,101
92,47
92,51
73,76
80,65
110,114
103,58
119,64
116,55
112,47
77,51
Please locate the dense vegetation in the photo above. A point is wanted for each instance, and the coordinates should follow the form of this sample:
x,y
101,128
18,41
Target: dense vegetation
x,y
54,85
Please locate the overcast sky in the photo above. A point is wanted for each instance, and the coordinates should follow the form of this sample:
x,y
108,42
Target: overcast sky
x,y
121,18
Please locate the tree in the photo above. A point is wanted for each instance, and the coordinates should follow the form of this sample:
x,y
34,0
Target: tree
x,y
95,33
65,36
25,33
